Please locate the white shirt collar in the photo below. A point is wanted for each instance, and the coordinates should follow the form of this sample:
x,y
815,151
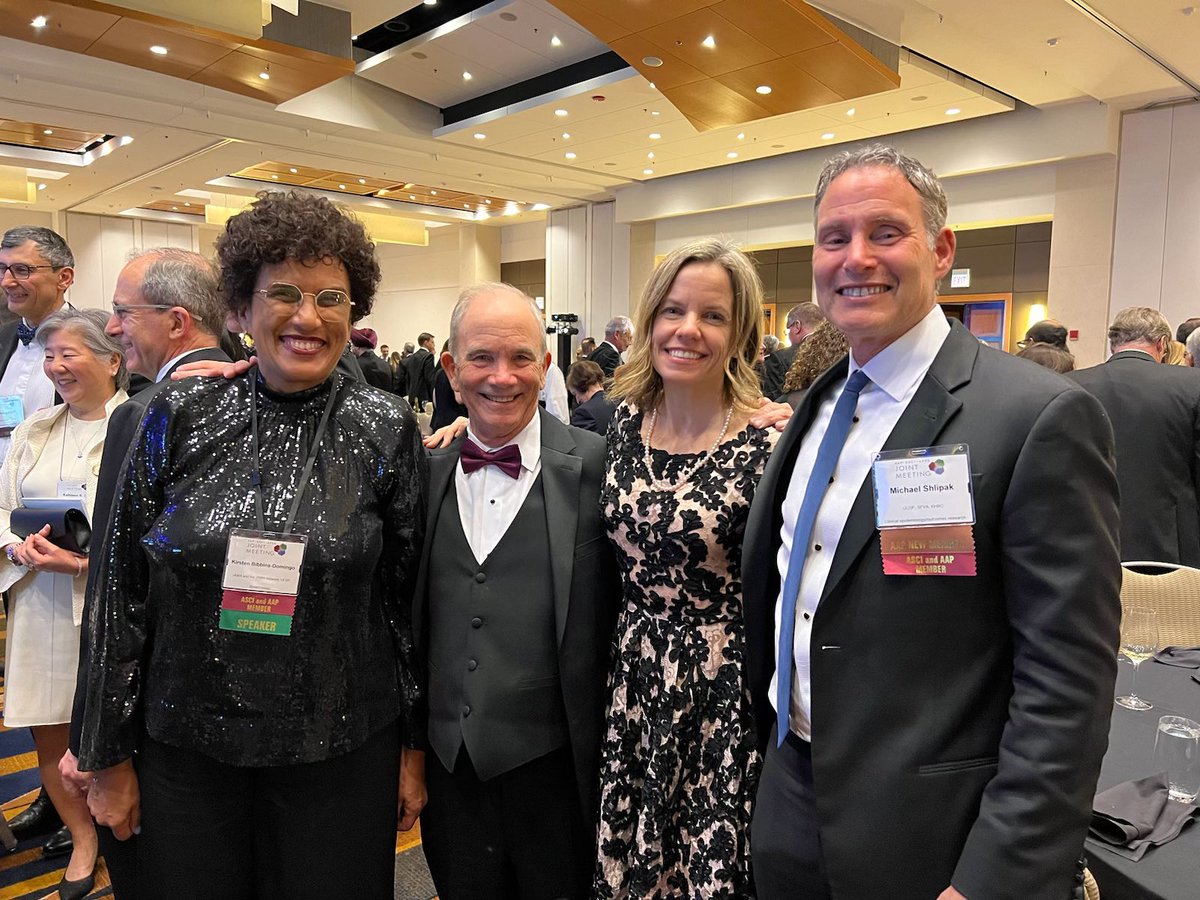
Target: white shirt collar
x,y
528,441
162,373
898,367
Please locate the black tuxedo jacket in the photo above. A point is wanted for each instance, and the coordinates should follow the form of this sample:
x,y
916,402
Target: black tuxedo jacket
x,y
419,367
594,414
1155,415
775,369
118,439
587,590
375,371
607,357
959,722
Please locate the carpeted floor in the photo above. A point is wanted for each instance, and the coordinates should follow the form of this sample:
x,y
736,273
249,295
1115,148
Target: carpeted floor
x,y
25,875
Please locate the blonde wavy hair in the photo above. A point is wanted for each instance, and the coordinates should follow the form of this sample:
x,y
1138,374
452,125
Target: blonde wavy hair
x,y
637,380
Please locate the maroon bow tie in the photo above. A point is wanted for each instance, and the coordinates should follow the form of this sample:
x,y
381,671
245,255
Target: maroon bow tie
x,y
506,459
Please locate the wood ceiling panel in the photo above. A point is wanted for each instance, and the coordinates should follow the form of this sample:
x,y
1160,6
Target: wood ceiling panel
x,y
33,134
791,87
129,41
643,14
672,73
848,71
239,72
683,38
708,104
607,28
67,28
784,28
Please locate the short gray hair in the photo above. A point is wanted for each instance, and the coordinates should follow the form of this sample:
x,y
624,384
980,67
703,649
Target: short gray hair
x,y
924,182
490,287
1138,325
770,343
89,324
619,325
807,314
178,277
1193,346
49,243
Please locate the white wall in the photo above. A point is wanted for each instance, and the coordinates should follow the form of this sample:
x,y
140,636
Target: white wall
x,y
418,291
525,240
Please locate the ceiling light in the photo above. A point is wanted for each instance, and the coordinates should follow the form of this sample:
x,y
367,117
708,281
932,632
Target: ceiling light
x,y
187,204
647,171
466,206
555,42
652,62
467,76
654,135
731,155
953,111
38,22
741,136
851,111
655,112
919,98
652,85
566,135
650,155
538,207
710,42
763,89
828,136
560,112
431,2
125,141
480,136
433,193
292,170
354,37
48,131
265,74
276,177
362,181
158,50
569,155
341,187
1052,42
382,191
412,196
42,186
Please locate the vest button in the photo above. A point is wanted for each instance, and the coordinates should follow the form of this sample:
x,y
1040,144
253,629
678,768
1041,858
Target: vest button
x,y
480,577
466,710
477,622
472,665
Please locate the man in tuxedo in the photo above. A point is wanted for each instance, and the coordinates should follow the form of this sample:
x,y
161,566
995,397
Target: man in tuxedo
x,y
419,368
937,734
166,312
514,612
375,371
617,335
802,319
1155,414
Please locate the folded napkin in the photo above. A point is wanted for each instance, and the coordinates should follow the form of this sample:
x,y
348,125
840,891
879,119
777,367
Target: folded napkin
x,y
1134,816
1184,657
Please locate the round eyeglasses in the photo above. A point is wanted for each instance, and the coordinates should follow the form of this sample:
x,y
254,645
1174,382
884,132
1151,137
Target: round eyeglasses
x,y
331,303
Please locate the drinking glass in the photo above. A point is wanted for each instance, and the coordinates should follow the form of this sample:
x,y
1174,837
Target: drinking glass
x,y
1139,641
1177,754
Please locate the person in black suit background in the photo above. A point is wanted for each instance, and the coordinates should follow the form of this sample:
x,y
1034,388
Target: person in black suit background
x,y
1155,414
593,409
446,407
376,372
419,368
617,335
166,313
514,610
802,320
939,734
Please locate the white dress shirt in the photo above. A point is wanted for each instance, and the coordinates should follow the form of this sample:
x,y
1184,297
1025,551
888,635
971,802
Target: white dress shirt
x,y
488,500
895,372
554,395
25,378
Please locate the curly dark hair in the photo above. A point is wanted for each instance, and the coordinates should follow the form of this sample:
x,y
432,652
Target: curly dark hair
x,y
816,353
280,226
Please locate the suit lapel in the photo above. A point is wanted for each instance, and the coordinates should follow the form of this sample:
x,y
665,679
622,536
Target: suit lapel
x,y
928,413
441,469
561,473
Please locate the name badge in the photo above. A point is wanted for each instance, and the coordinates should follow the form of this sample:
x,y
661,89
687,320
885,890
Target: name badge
x,y
72,490
925,510
261,581
12,413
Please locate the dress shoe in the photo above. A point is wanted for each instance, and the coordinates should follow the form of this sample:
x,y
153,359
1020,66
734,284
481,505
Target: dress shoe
x,y
39,817
76,890
58,844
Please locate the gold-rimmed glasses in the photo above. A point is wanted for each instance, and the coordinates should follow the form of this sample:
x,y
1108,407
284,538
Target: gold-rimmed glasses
x,y
332,304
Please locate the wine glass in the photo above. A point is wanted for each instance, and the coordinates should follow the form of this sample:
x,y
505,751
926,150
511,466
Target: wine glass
x,y
1139,641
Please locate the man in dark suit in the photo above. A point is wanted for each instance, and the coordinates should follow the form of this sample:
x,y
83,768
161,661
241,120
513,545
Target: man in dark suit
x,y
166,312
802,319
515,607
375,371
617,335
1155,414
938,734
419,368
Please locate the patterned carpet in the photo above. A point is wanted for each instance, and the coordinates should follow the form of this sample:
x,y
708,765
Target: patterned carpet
x,y
25,875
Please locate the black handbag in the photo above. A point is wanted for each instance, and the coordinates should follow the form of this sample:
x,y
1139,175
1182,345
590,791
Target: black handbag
x,y
69,528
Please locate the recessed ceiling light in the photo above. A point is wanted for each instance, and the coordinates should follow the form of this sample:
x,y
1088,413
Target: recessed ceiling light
x,y
341,187
650,155
710,42
433,193
560,112
731,155
741,136
292,170
354,37
569,155
412,196
38,22
431,2
953,111
42,186
158,50
363,181
654,135
555,42
763,89
538,207
48,131
919,98
828,136
187,204
851,111
652,62
382,191
467,76
566,135
466,206
655,112
265,75
174,209
1053,42
652,85
276,177
480,136
647,171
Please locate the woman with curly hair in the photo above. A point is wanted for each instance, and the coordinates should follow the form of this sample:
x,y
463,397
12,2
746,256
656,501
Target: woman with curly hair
x,y
253,690
816,353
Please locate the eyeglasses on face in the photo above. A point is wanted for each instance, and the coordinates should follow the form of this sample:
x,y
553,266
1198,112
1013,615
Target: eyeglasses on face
x,y
330,302
124,310
21,271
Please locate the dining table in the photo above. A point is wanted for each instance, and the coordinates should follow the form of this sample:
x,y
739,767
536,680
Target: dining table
x,y
1170,871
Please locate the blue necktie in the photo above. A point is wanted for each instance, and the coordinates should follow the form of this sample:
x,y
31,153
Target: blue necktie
x,y
25,333
814,493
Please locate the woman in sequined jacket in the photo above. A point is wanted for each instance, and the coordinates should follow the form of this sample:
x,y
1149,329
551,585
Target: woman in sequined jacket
x,y
257,738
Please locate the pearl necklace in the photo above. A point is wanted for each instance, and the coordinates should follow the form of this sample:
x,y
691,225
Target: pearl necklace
x,y
685,476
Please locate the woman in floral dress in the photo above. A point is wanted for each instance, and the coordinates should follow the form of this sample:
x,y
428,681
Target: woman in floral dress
x,y
679,764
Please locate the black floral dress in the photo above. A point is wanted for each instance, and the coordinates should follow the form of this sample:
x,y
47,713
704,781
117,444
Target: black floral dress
x,y
679,766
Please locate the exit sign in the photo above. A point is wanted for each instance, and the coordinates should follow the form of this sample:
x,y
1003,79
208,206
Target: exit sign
x,y
960,278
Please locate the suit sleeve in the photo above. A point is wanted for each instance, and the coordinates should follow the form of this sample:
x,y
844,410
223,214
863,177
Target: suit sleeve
x,y
1062,576
583,418
773,375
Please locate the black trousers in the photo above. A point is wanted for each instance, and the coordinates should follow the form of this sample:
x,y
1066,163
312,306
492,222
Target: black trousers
x,y
315,830
518,835
785,842
121,859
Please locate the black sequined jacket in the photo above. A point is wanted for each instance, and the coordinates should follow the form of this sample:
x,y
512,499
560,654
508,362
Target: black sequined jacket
x,y
159,661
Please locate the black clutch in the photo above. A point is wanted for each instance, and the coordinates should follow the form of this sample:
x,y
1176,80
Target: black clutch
x,y
69,528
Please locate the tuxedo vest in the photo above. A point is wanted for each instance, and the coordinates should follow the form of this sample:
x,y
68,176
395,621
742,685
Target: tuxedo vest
x,y
493,655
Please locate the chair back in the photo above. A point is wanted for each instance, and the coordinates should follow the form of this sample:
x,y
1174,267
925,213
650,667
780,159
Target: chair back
x,y
1173,591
